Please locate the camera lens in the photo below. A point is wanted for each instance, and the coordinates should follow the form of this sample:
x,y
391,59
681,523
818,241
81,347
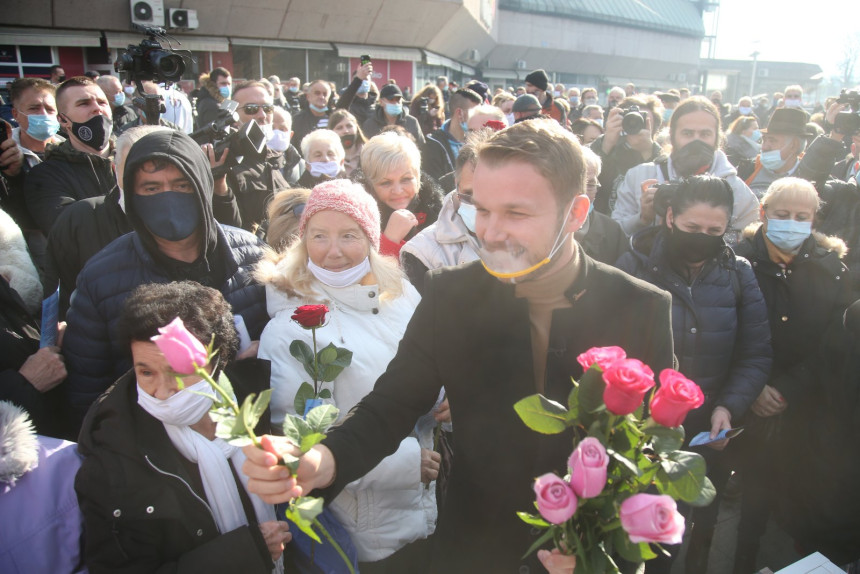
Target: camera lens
x,y
169,67
632,122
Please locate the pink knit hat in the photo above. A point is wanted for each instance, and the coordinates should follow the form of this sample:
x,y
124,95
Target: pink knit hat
x,y
348,198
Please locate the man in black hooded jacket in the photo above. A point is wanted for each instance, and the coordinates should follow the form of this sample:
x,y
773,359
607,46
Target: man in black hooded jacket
x,y
168,201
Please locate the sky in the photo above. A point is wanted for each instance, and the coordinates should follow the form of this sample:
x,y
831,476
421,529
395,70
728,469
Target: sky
x,y
789,30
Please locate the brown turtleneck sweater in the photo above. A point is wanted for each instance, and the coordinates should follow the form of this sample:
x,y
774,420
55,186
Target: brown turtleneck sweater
x,y
545,295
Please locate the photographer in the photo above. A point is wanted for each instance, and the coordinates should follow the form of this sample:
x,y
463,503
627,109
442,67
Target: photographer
x,y
620,149
427,106
844,118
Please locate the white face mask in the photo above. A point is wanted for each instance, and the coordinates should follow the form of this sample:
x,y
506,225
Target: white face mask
x,y
329,168
510,118
183,408
129,90
343,278
268,130
279,141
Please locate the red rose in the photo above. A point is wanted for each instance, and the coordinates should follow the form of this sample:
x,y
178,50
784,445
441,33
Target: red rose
x,y
603,356
421,217
310,316
676,396
627,381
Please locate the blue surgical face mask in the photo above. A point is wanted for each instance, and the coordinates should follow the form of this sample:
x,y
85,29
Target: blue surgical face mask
x,y
574,100
225,92
393,109
465,127
119,99
318,110
772,160
293,89
667,113
745,110
787,234
41,127
756,136
467,214
171,215
364,87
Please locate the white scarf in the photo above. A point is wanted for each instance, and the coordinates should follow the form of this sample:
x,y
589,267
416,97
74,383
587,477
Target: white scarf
x,y
211,456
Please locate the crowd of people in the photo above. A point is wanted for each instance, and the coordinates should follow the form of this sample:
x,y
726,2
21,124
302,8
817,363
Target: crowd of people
x,y
469,243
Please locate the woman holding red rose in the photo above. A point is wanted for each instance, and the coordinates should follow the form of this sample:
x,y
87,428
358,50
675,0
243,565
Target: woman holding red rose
x,y
389,513
719,322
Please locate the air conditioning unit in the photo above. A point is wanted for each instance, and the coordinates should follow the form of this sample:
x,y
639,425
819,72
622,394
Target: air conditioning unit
x,y
181,18
147,12
473,55
521,64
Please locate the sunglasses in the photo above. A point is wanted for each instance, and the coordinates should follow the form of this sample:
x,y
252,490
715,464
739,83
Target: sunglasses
x,y
252,109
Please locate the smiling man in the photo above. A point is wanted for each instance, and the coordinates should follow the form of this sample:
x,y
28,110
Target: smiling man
x,y
79,167
168,186
493,332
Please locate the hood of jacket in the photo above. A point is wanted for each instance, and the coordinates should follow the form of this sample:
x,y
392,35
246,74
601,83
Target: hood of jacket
x,y
449,227
184,153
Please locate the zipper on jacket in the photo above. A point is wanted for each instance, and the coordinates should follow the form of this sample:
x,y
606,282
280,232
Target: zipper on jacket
x,y
188,486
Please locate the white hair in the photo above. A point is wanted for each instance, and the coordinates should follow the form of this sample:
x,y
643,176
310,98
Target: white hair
x,y
327,136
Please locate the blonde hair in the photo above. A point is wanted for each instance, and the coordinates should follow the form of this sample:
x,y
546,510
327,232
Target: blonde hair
x,y
791,189
320,136
283,223
386,151
288,271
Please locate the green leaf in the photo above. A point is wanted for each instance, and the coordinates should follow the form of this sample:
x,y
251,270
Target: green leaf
x,y
305,392
254,409
573,405
308,441
544,538
295,428
327,355
533,520
329,372
630,551
541,414
321,417
684,475
624,462
241,441
291,462
591,388
665,439
302,511
225,384
706,495
227,425
344,357
302,352
324,394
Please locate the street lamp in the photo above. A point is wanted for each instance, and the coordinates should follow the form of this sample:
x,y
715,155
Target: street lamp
x,y
754,56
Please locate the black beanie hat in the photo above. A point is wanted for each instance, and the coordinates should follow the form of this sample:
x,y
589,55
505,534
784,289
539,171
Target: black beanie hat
x,y
538,79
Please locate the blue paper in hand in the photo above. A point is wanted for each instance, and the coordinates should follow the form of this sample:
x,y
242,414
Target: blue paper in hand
x,y
50,316
705,437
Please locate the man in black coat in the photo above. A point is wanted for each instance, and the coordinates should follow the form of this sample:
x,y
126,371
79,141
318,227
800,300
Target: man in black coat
x,y
168,188
492,339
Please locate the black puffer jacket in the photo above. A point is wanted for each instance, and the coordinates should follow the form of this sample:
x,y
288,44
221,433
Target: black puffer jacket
x,y
719,323
840,216
143,503
94,355
803,299
65,176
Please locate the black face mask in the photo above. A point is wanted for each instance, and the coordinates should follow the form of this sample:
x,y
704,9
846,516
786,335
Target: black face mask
x,y
348,140
685,247
95,132
693,159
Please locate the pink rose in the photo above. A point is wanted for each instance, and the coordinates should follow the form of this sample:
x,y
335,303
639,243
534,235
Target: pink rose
x,y
627,381
181,349
652,518
588,468
555,499
603,356
676,396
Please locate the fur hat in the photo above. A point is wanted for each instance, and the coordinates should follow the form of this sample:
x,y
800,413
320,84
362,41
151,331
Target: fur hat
x,y
16,265
348,198
538,79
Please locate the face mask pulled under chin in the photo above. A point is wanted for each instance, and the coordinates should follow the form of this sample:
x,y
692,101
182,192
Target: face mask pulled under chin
x,y
184,408
512,261
343,278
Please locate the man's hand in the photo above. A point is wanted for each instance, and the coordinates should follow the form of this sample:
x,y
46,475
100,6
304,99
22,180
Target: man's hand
x,y
11,158
555,562
721,419
443,412
642,142
430,460
400,224
44,369
364,72
647,213
769,403
835,108
276,533
273,482
250,352
612,129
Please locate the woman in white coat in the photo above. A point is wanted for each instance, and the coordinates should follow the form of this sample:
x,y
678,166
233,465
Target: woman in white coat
x,y
391,511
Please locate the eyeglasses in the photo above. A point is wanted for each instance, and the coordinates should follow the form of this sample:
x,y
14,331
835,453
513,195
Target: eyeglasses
x,y
465,198
592,186
252,109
